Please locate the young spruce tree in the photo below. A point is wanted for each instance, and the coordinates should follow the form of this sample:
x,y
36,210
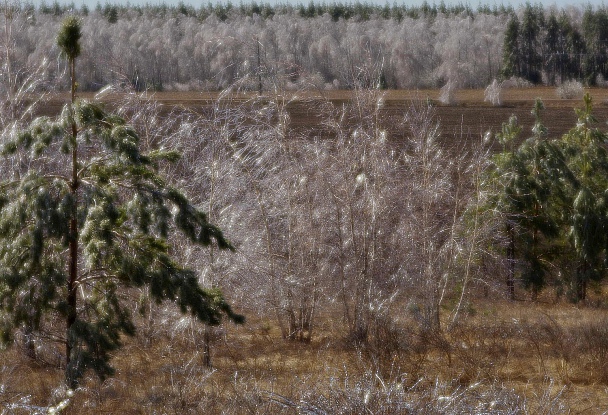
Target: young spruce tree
x,y
584,149
529,183
85,217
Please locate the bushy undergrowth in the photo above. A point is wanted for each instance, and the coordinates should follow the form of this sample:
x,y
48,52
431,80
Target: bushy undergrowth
x,y
570,90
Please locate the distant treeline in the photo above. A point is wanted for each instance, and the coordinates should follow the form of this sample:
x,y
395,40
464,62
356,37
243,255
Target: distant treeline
x,y
319,45
337,10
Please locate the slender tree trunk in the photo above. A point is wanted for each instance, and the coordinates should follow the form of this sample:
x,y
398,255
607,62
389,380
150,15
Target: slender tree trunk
x,y
342,261
535,286
581,282
73,244
207,340
511,262
309,314
259,68
207,347
30,345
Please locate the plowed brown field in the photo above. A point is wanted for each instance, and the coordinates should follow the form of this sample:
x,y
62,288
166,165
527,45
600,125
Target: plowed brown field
x,y
469,117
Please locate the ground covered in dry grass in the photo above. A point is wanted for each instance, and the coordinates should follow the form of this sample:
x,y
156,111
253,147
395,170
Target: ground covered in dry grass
x,y
510,358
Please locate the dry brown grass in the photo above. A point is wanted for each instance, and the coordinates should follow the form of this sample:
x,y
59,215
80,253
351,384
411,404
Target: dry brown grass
x,y
537,358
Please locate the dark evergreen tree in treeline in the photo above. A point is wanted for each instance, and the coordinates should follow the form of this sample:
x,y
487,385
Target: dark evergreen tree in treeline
x,y
532,22
521,51
556,48
595,51
511,51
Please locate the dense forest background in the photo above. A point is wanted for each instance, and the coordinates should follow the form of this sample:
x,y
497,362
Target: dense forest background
x,y
324,45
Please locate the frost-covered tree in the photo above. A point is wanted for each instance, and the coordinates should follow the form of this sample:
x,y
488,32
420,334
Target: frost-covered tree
x,y
278,175
175,50
86,217
361,213
19,79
